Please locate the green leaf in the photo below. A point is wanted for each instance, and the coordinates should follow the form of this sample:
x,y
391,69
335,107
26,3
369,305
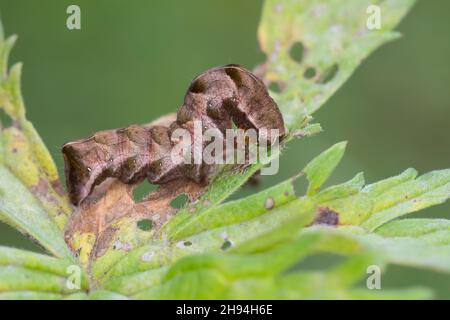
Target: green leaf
x,y
318,170
251,226
234,265
76,296
132,284
430,189
237,211
381,202
20,209
414,228
161,253
375,189
18,279
28,274
425,249
343,190
243,276
5,49
416,293
34,261
278,235
29,295
413,252
201,284
106,295
333,44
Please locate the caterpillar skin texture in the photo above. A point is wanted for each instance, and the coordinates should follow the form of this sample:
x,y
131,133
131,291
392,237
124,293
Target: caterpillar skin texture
x,y
218,98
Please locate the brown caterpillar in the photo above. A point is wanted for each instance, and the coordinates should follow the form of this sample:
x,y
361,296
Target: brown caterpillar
x,y
218,98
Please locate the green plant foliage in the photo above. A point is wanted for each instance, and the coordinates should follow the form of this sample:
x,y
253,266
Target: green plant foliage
x,y
251,247
29,184
261,231
28,275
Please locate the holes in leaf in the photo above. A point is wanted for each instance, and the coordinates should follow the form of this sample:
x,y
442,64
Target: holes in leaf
x,y
254,180
142,190
5,120
117,245
309,73
227,244
296,51
187,243
179,201
329,74
275,86
300,185
145,224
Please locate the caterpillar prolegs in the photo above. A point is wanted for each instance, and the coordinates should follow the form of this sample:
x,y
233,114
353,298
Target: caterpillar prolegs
x,y
218,98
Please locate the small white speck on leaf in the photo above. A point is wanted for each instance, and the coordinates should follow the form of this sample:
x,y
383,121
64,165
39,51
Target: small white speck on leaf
x,y
117,245
180,244
192,209
279,8
147,256
269,204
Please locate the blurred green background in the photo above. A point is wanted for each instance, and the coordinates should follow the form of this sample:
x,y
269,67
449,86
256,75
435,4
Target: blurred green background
x,y
133,60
